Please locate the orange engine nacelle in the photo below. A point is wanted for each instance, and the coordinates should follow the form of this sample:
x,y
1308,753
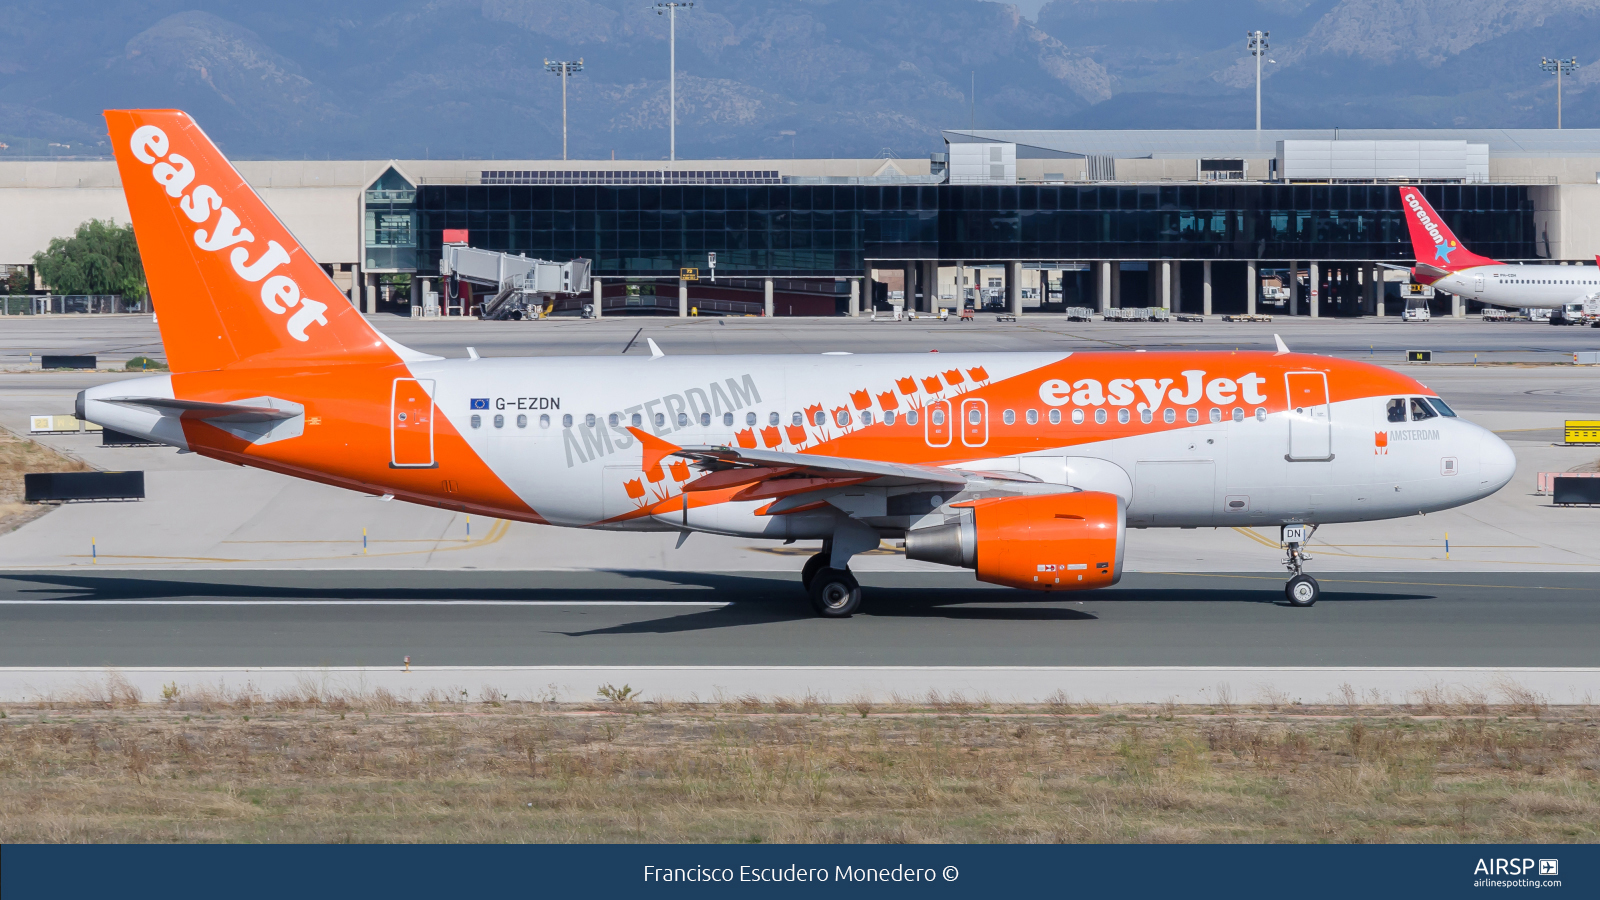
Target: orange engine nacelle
x,y
1049,542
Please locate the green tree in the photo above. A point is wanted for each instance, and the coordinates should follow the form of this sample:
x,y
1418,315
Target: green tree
x,y
18,282
101,258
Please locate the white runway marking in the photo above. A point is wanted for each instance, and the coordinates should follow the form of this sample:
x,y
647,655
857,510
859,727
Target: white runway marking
x,y
1278,685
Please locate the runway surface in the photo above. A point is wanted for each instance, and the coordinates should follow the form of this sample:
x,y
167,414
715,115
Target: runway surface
x,y
610,618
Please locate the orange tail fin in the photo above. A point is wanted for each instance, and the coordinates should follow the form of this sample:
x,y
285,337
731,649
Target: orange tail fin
x,y
229,281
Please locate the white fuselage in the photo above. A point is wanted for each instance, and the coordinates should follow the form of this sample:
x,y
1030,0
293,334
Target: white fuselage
x,y
1519,287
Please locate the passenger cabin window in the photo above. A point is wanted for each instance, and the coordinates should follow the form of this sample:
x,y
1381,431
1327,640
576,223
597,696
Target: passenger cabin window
x,y
1420,410
1397,410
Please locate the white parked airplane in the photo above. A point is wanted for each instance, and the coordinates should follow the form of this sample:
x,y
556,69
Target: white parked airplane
x,y
1027,467
1446,264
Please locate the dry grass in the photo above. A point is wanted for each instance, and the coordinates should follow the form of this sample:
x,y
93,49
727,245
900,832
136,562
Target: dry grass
x,y
203,764
19,456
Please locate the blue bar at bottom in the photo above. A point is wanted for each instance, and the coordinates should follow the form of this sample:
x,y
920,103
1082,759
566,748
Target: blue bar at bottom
x,y
305,872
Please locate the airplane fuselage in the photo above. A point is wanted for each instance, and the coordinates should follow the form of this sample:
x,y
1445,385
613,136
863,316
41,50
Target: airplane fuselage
x,y
1519,287
1187,439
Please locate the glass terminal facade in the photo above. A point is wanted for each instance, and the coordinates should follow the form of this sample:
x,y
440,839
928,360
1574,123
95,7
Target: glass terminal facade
x,y
837,230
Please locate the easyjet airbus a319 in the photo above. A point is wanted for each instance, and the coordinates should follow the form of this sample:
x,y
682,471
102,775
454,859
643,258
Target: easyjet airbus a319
x,y
1026,467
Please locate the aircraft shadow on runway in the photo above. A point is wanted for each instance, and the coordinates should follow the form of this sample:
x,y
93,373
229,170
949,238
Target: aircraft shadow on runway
x,y
752,599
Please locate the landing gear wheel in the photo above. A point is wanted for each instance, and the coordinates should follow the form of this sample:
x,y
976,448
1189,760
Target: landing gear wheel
x,y
1302,590
813,565
835,593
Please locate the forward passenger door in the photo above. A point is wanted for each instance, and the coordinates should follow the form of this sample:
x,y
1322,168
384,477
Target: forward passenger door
x,y
1310,420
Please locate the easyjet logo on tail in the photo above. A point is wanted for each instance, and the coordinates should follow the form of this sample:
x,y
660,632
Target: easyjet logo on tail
x,y
279,293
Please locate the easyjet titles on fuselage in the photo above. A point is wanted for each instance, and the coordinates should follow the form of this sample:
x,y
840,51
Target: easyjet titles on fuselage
x,y
1120,391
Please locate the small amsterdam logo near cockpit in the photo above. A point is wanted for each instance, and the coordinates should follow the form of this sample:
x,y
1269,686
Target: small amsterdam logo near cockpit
x,y
480,402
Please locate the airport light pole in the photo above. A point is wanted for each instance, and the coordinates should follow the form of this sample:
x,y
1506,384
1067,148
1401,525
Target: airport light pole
x,y
669,8
564,67
1558,66
1258,49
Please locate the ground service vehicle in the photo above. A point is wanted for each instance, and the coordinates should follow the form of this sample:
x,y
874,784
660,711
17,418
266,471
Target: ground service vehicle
x,y
1026,467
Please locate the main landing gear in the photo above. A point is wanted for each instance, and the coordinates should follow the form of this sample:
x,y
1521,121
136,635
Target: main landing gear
x,y
835,593
1302,589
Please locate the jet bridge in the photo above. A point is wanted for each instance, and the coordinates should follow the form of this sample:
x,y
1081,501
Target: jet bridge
x,y
521,284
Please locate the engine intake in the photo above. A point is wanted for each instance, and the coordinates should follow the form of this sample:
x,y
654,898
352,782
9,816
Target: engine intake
x,y
1051,542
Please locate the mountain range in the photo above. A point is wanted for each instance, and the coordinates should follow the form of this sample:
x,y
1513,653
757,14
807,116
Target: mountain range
x,y
770,78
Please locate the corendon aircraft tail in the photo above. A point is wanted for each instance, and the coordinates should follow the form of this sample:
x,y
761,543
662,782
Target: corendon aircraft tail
x,y
1026,467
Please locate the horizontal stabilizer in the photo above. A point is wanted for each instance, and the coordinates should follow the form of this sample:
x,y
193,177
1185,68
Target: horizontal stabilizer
x,y
201,409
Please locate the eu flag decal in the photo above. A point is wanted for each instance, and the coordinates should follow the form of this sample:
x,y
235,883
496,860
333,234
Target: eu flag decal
x,y
480,402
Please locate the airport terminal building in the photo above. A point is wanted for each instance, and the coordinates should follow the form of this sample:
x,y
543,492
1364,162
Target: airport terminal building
x,y
1283,221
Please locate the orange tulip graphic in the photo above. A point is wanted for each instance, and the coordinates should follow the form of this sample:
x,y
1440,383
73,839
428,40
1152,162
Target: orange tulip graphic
x,y
978,373
955,377
771,436
887,400
654,473
861,399
680,470
931,384
746,438
811,414
635,489
797,434
907,386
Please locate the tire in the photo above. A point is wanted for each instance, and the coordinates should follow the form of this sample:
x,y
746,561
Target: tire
x,y
815,564
1302,591
835,593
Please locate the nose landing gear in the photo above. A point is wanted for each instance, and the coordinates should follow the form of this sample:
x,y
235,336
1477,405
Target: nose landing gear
x,y
1302,590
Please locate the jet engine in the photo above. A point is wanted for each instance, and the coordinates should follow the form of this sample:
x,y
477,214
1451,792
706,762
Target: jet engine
x,y
1050,542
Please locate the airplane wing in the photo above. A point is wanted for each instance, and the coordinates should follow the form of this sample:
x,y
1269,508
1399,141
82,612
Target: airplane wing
x,y
839,466
200,409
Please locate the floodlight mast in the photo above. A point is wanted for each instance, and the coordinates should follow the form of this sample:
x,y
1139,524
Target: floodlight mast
x,y
1558,66
564,67
1258,49
669,8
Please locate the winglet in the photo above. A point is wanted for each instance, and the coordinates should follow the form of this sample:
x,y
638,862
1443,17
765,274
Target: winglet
x,y
655,352
655,449
1282,347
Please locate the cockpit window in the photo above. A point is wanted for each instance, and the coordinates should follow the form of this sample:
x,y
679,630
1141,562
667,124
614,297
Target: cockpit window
x,y
1397,409
1420,410
1441,408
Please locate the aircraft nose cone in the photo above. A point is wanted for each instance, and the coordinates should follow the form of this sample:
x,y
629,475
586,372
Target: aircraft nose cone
x,y
1495,460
